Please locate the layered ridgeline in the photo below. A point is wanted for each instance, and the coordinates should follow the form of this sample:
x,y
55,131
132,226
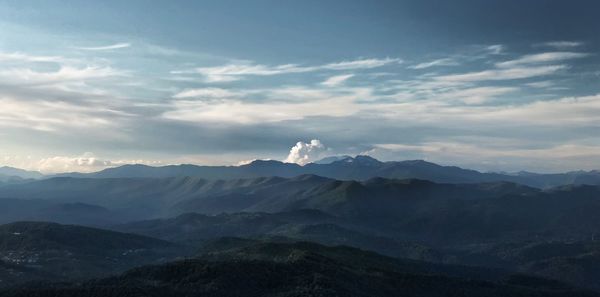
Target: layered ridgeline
x,y
342,168
406,209
234,267
305,225
548,232
359,168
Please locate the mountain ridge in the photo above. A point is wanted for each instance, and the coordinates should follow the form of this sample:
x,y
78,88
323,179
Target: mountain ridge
x,y
358,168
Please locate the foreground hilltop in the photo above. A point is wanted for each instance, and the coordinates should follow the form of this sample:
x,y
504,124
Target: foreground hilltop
x,y
50,251
234,267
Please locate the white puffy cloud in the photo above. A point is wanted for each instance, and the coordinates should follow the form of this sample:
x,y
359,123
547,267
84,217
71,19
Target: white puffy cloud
x,y
303,153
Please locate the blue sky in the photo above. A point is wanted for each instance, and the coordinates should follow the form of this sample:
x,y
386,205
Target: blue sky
x,y
491,85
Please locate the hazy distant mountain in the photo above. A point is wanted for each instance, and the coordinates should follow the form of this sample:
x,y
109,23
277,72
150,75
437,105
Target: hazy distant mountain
x,y
401,209
12,210
143,198
346,168
24,174
9,179
242,268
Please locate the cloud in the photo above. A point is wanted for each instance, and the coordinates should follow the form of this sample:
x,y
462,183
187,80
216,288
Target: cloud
x,y
303,153
55,116
237,71
79,102
562,44
293,106
85,163
435,63
336,80
206,93
105,48
495,49
22,57
570,111
541,58
88,162
64,74
541,84
360,64
502,74
476,95
485,153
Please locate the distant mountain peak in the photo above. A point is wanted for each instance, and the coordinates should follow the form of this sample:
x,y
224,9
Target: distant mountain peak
x,y
22,173
366,160
331,159
310,177
266,164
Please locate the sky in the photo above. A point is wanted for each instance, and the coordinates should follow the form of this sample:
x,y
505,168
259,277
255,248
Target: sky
x,y
495,85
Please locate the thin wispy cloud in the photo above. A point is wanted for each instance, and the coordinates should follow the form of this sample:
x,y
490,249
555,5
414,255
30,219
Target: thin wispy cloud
x,y
337,80
65,73
206,93
237,71
22,57
435,63
495,49
542,58
105,47
477,95
541,84
562,44
502,74
360,64
55,116
280,108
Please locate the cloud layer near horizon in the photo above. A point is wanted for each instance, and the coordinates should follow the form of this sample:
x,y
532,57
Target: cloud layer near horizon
x,y
86,99
194,90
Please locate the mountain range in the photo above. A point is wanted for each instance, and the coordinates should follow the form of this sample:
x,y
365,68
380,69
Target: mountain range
x,y
343,168
408,209
78,227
